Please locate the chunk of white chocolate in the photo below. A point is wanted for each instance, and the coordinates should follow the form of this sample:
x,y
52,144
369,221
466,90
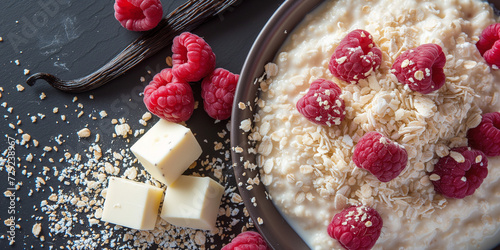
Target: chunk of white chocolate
x,y
192,202
131,204
167,150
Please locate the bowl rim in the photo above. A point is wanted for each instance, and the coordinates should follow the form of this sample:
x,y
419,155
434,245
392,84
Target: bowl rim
x,y
265,216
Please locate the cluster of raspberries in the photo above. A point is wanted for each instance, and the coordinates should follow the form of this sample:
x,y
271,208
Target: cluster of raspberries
x,y
456,175
169,94
460,173
357,56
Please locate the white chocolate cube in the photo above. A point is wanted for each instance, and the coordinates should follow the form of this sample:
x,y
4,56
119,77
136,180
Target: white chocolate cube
x,y
167,150
192,202
131,204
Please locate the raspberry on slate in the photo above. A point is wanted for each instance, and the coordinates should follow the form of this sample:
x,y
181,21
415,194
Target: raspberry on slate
x,y
217,91
421,68
248,240
356,57
460,173
489,45
192,57
138,15
486,136
169,98
357,227
379,155
322,103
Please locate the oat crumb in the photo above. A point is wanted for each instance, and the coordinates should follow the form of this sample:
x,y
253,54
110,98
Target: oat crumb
x,y
84,133
37,228
20,88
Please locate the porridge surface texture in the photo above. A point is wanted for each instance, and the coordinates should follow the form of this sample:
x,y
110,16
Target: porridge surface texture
x,y
308,168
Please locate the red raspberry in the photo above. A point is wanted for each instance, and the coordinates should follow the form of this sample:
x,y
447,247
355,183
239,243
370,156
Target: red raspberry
x,y
138,15
357,227
169,98
459,175
356,57
421,68
248,240
322,103
192,57
380,156
486,136
217,91
489,45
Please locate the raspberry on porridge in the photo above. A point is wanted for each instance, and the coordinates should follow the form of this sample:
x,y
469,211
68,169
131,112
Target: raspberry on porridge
x,y
356,57
460,173
486,136
488,45
322,103
380,156
357,227
421,68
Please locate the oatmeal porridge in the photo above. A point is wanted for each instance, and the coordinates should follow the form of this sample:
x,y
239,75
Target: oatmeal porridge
x,y
308,168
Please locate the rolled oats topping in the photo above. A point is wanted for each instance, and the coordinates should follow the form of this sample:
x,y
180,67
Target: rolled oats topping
x,y
308,167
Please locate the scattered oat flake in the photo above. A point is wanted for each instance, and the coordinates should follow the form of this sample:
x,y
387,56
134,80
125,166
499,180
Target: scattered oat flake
x,y
260,221
37,228
168,60
199,238
83,133
241,105
20,87
147,116
122,129
103,114
26,72
246,125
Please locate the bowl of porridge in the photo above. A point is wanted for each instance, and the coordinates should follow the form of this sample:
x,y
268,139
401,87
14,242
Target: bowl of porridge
x,y
296,174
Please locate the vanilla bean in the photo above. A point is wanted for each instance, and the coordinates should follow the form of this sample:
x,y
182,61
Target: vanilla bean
x,y
184,18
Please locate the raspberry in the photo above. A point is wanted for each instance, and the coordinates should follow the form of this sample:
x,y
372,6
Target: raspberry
x,y
169,98
322,103
380,156
486,136
460,173
356,57
217,91
421,68
357,227
138,15
489,45
248,240
192,57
